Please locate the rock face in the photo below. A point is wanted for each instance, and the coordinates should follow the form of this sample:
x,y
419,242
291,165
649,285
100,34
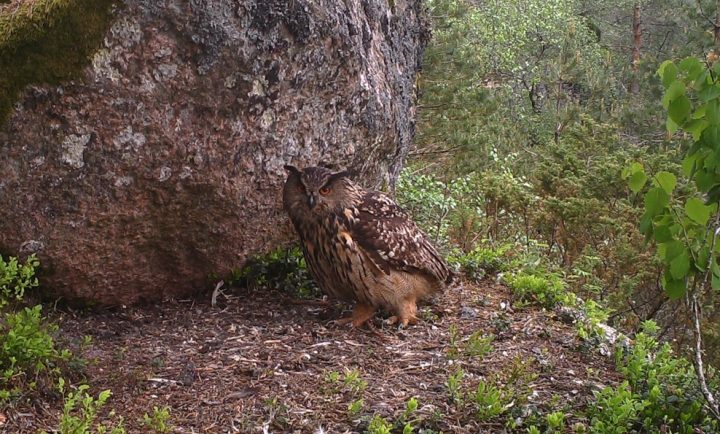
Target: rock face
x,y
163,164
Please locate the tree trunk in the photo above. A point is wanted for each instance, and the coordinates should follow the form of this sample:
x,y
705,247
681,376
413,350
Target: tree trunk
x,y
637,46
716,27
163,161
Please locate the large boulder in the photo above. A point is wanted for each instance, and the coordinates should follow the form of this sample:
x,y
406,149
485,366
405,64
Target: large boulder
x,y
162,162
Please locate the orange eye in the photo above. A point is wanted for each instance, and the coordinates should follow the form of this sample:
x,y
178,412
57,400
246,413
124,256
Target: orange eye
x,y
325,190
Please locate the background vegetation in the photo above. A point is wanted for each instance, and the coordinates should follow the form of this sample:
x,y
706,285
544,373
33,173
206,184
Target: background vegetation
x,y
581,137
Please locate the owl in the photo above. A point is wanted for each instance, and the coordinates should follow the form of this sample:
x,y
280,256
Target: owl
x,y
361,247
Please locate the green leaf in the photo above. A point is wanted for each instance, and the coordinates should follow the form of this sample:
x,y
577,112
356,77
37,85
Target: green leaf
x,y
679,109
637,181
712,112
668,71
680,266
704,179
662,234
692,67
675,289
671,250
671,126
697,210
696,127
655,201
709,92
667,181
688,165
675,91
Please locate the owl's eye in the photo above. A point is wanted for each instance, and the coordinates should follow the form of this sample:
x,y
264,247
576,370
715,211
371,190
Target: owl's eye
x,y
325,190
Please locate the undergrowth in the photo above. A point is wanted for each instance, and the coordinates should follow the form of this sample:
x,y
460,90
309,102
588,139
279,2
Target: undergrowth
x,y
284,269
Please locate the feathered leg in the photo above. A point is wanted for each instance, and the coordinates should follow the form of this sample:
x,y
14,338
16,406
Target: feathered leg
x,y
360,315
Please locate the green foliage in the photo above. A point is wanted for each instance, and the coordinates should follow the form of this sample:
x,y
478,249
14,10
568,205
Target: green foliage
x,y
614,410
681,222
351,381
478,345
545,289
489,401
481,261
555,422
354,382
158,420
81,410
379,425
595,315
454,386
283,269
26,344
660,390
16,278
27,347
355,407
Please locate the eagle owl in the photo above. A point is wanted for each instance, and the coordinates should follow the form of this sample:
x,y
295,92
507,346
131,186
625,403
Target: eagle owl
x,y
360,246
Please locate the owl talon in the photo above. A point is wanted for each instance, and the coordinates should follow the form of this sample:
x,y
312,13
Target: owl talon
x,y
402,322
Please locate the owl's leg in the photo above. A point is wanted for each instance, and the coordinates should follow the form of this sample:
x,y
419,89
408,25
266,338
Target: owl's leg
x,y
406,314
360,315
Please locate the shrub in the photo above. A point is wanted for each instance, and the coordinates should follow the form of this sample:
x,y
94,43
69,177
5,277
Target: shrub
x,y
481,261
80,412
158,420
660,390
27,347
16,278
544,289
284,269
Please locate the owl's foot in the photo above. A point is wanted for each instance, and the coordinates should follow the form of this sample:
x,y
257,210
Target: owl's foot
x,y
402,322
361,314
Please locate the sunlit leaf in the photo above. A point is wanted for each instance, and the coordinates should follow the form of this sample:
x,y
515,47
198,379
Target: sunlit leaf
x,y
697,210
637,181
656,200
667,181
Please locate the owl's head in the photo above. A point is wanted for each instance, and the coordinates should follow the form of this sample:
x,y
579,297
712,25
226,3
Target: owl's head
x,y
317,190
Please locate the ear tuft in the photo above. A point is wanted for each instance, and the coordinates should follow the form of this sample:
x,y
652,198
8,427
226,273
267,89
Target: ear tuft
x,y
339,175
291,169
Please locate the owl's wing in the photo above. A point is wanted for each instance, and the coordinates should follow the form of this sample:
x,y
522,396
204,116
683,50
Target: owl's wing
x,y
392,240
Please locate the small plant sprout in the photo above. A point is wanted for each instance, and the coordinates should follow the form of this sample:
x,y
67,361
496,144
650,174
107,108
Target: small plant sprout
x,y
454,386
555,422
378,425
157,421
355,407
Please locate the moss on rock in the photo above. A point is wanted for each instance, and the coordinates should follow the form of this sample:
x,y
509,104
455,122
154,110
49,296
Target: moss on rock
x,y
47,42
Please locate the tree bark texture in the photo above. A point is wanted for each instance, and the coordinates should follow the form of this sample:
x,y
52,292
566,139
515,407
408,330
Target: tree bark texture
x,y
163,164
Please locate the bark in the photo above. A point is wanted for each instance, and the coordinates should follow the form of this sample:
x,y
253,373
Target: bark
x,y
716,27
637,46
163,162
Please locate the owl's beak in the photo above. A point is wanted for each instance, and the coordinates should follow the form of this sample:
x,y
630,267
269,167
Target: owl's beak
x,y
312,200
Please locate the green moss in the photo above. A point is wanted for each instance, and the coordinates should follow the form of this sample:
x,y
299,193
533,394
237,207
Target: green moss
x,y
47,42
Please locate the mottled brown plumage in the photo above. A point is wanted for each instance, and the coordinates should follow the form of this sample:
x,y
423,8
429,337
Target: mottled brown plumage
x,y
360,246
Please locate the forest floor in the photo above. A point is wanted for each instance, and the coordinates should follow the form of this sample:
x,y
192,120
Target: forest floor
x,y
261,361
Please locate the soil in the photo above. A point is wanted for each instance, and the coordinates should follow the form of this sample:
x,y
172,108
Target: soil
x,y
262,361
